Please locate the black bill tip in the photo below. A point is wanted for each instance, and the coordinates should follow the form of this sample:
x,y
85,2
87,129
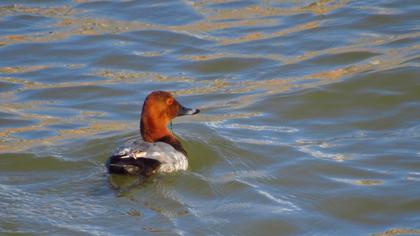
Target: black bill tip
x,y
187,111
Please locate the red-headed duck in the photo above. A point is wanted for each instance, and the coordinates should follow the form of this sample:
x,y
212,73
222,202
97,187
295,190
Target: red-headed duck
x,y
160,150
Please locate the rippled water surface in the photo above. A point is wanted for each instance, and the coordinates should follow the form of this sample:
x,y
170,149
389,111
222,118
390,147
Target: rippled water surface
x,y
310,121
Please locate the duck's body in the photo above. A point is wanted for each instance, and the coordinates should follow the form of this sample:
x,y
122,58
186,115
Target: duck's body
x,y
160,150
144,158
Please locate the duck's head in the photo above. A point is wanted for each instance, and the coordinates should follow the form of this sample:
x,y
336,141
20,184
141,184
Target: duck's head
x,y
159,109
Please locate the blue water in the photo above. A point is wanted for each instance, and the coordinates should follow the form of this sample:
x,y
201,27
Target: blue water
x,y
309,120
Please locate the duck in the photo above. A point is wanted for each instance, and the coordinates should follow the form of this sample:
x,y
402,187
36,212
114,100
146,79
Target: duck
x,y
159,150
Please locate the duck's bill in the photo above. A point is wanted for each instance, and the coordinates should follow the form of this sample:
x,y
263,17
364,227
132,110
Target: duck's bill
x,y
186,111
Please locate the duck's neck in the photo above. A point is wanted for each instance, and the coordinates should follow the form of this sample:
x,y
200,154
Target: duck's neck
x,y
152,131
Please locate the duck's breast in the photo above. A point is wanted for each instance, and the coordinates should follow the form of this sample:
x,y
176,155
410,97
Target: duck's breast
x,y
170,159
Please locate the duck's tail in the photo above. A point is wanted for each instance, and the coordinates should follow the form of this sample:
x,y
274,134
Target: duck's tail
x,y
120,164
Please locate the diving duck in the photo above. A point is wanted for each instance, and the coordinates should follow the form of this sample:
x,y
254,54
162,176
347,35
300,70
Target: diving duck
x,y
160,150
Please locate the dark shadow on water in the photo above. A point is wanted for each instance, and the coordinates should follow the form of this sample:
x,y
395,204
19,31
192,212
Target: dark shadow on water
x,y
124,185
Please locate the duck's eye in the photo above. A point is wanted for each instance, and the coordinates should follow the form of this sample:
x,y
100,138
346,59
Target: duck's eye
x,y
169,101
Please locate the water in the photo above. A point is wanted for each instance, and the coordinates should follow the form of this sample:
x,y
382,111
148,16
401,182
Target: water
x,y
309,124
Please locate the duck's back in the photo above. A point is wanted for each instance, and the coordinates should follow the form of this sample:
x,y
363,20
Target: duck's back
x,y
143,158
